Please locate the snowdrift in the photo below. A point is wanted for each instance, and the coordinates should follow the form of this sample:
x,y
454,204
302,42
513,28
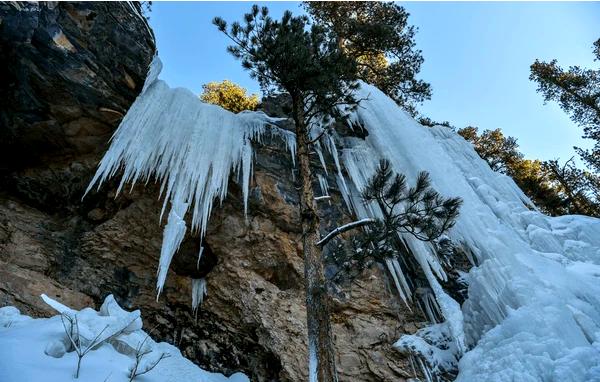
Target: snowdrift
x,y
36,350
533,311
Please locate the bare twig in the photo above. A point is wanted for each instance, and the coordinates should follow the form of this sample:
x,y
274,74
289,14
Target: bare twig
x,y
75,339
139,355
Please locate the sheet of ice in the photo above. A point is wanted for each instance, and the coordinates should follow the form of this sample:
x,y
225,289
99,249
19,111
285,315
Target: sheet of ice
x,y
30,350
533,311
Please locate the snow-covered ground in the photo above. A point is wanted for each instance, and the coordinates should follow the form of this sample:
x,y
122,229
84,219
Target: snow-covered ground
x,y
38,350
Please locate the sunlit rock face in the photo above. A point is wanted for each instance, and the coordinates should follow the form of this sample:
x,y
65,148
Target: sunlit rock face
x,y
71,72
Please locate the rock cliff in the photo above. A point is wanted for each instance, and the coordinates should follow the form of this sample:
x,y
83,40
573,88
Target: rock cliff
x,y
71,72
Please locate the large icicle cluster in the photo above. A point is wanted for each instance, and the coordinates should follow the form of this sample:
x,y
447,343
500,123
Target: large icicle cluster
x,y
533,311
190,147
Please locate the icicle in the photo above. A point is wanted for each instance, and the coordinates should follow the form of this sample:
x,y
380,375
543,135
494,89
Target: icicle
x,y
319,151
323,185
400,274
173,236
401,290
199,257
341,184
312,361
425,370
198,293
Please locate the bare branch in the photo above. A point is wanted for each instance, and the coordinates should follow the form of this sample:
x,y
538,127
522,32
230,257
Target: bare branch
x,y
75,339
344,228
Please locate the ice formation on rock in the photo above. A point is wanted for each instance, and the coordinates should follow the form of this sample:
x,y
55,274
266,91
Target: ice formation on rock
x,y
190,147
198,293
533,311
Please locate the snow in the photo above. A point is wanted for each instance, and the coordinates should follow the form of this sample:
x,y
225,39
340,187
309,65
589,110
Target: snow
x,y
34,350
433,343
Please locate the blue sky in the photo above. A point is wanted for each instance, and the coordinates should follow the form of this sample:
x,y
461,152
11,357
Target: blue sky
x,y
477,58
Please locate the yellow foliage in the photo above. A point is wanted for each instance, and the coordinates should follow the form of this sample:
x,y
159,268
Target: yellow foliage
x,y
373,67
229,96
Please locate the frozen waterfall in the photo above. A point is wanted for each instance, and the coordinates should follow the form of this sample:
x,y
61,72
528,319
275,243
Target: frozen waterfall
x,y
533,308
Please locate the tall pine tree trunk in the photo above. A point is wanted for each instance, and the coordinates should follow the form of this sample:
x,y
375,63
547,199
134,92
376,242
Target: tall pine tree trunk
x,y
320,346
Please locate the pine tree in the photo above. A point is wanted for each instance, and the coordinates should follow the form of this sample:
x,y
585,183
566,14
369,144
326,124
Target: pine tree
x,y
230,96
503,155
577,187
428,122
378,36
319,77
531,176
419,211
556,189
577,91
492,146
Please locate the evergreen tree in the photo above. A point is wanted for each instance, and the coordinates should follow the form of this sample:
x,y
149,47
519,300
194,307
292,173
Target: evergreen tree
x,y
428,122
306,62
578,188
577,91
503,155
532,178
229,96
419,211
555,189
499,151
378,36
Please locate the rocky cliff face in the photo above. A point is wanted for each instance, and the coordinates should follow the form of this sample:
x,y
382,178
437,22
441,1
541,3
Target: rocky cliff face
x,y
72,70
